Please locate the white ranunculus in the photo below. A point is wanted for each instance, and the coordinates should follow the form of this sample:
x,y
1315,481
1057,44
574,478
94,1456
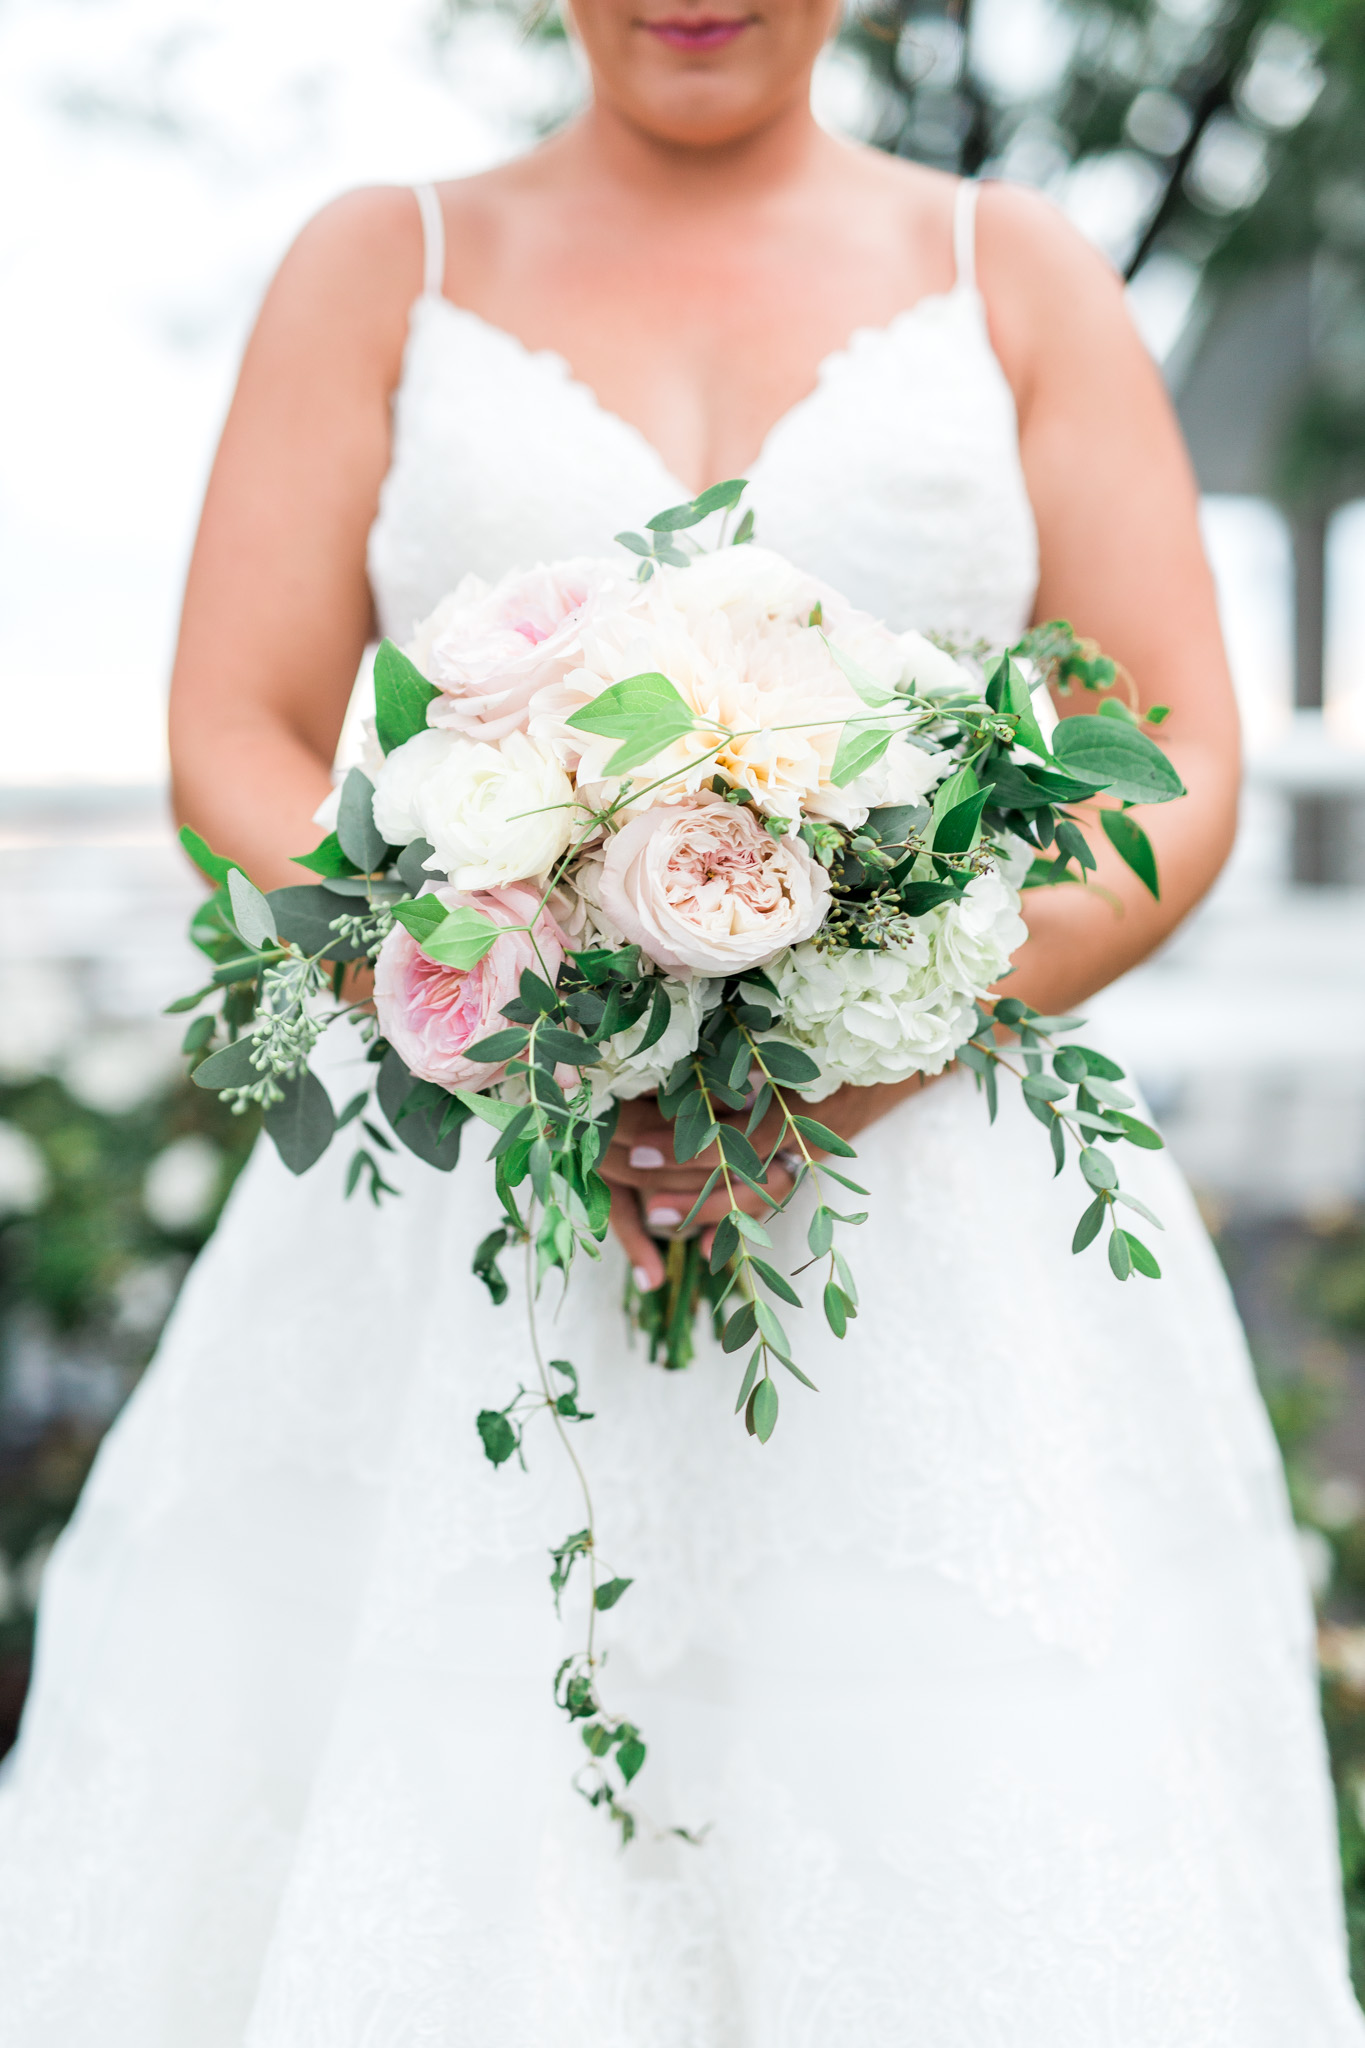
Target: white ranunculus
x,y
704,888
493,815
625,1072
866,1017
400,782
975,939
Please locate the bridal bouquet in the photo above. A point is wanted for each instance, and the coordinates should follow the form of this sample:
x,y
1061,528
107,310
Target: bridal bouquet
x,y
686,824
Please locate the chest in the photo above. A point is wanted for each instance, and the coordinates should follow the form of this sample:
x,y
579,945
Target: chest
x,y
703,337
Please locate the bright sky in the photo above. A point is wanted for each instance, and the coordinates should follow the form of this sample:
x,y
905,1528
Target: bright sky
x,y
166,151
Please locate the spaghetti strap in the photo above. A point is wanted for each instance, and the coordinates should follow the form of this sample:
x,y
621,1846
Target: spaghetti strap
x,y
433,240
964,232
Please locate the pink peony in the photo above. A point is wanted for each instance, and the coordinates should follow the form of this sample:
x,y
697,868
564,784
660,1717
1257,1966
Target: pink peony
x,y
489,650
430,1013
704,889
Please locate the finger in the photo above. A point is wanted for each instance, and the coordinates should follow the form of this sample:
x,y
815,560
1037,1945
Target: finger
x,y
646,1260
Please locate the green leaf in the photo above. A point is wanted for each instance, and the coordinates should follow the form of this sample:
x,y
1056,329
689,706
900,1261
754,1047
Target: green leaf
x,y
302,1125
327,858
500,1046
953,790
1143,1260
499,1437
1087,1230
630,1758
1072,844
488,1108
1098,1167
1069,1062
1132,1202
770,1329
183,1003
868,688
198,1035
828,1141
957,829
775,1281
797,1373
609,1593
720,497
748,1228
1042,1089
746,1384
860,746
1018,699
637,544
836,1308
1117,758
820,1235
251,913
1099,1063
739,1330
485,1265
787,1063
202,854
412,865
361,840
643,711
1132,845
229,1068
565,1046
430,1125
401,696
745,530
303,915
461,939
1137,1132
1120,1254
421,917
762,1412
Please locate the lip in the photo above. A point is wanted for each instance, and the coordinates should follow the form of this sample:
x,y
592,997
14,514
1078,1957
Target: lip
x,y
698,33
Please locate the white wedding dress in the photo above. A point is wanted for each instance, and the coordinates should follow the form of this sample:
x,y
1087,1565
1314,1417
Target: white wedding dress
x,y
992,1672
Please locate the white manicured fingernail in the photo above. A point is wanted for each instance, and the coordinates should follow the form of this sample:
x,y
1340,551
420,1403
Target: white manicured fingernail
x,y
642,1279
666,1219
645,1156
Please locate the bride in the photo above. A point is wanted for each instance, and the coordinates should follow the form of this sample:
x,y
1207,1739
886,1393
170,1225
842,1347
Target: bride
x,y
989,1679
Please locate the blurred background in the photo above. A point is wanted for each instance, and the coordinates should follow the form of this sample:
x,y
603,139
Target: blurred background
x,y
160,154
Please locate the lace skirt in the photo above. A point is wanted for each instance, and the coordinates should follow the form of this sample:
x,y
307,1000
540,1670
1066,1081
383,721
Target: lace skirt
x,y
991,1673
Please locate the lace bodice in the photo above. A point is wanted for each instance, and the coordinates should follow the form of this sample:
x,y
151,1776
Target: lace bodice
x,y
896,479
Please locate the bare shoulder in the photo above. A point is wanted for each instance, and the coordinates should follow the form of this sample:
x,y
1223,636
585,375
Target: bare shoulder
x,y
349,278
1051,296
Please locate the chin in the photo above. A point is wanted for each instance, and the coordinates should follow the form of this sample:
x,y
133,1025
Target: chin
x,y
706,113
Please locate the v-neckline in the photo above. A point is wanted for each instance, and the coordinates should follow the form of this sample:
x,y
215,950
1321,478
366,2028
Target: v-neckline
x,y
549,358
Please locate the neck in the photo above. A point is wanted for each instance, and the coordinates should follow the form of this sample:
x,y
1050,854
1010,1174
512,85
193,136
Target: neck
x,y
607,145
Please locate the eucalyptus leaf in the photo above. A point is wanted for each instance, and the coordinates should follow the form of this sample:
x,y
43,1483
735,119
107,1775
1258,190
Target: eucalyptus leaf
x,y
361,839
229,1068
302,1125
412,865
428,1131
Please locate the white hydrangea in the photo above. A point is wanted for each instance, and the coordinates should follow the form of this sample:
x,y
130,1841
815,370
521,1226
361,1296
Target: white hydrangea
x,y
866,1017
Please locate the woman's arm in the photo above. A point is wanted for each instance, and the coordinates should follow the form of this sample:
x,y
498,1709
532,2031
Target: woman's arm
x,y
277,605
1121,558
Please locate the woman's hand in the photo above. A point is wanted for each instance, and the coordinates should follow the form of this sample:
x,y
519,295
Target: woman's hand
x,y
652,1192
